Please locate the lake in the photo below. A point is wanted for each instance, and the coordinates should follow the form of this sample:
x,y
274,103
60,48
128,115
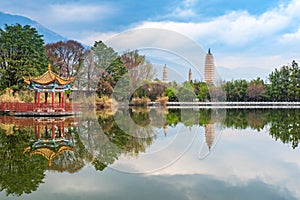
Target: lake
x,y
153,153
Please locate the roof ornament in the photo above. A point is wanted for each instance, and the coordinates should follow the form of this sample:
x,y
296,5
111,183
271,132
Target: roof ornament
x,y
49,67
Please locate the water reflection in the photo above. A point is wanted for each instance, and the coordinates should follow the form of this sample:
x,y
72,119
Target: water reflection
x,y
29,147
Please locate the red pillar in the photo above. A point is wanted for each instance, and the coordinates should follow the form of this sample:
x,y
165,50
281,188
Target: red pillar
x,y
59,99
34,104
34,97
53,97
63,100
39,100
46,98
53,133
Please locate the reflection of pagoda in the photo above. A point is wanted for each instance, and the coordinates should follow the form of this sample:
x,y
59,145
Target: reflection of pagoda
x,y
209,135
49,83
51,139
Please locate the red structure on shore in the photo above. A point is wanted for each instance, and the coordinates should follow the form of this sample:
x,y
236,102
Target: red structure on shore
x,y
49,83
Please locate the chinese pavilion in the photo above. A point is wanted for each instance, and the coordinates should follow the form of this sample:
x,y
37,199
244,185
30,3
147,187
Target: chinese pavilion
x,y
49,83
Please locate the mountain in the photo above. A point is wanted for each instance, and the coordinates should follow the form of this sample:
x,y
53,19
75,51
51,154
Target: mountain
x,y
247,73
48,35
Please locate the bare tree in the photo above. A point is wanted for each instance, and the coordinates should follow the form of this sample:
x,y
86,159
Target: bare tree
x,y
139,68
66,57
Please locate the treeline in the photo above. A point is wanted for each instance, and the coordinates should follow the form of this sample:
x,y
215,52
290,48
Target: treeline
x,y
126,76
282,85
99,68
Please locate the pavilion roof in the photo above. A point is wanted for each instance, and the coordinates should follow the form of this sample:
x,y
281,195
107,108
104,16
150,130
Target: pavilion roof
x,y
48,152
49,77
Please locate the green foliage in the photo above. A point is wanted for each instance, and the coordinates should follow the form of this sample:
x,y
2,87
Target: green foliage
x,y
171,92
19,172
152,90
186,92
21,53
236,90
108,69
202,91
285,83
173,117
284,125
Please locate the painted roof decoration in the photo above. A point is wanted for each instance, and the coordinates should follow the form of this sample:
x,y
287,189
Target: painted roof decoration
x,y
48,77
48,150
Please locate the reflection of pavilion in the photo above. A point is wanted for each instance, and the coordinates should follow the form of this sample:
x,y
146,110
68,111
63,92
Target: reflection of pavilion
x,y
51,139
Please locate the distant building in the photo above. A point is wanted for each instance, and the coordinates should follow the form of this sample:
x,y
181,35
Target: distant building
x,y
209,68
190,75
165,74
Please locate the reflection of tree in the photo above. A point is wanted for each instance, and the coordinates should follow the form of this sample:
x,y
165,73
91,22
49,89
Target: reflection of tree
x,y
236,119
19,172
204,116
140,118
70,161
284,125
243,118
189,117
173,117
130,135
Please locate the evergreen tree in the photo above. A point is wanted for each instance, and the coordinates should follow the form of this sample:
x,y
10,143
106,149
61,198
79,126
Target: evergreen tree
x,y
21,53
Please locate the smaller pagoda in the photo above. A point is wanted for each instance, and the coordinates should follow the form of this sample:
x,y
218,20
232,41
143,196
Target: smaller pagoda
x,y
49,83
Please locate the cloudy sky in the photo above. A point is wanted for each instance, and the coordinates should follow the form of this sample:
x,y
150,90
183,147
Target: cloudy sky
x,y
241,33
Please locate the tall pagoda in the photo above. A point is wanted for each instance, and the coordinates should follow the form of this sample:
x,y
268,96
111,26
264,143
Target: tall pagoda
x,y
209,68
49,83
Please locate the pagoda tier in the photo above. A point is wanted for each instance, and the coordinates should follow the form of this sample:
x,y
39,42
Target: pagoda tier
x,y
49,82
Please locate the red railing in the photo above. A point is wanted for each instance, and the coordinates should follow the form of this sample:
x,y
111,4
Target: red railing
x,y
31,122
27,107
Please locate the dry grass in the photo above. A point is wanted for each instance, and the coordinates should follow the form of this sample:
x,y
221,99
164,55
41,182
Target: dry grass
x,y
162,100
105,102
8,96
143,102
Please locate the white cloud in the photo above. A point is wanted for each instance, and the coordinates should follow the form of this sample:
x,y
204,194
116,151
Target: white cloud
x,y
235,28
238,38
264,61
184,10
78,12
183,13
291,37
90,37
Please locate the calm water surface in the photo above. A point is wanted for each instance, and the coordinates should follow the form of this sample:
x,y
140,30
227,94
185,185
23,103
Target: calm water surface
x,y
152,154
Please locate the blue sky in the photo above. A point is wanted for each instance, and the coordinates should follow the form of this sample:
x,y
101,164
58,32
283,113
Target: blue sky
x,y
241,33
